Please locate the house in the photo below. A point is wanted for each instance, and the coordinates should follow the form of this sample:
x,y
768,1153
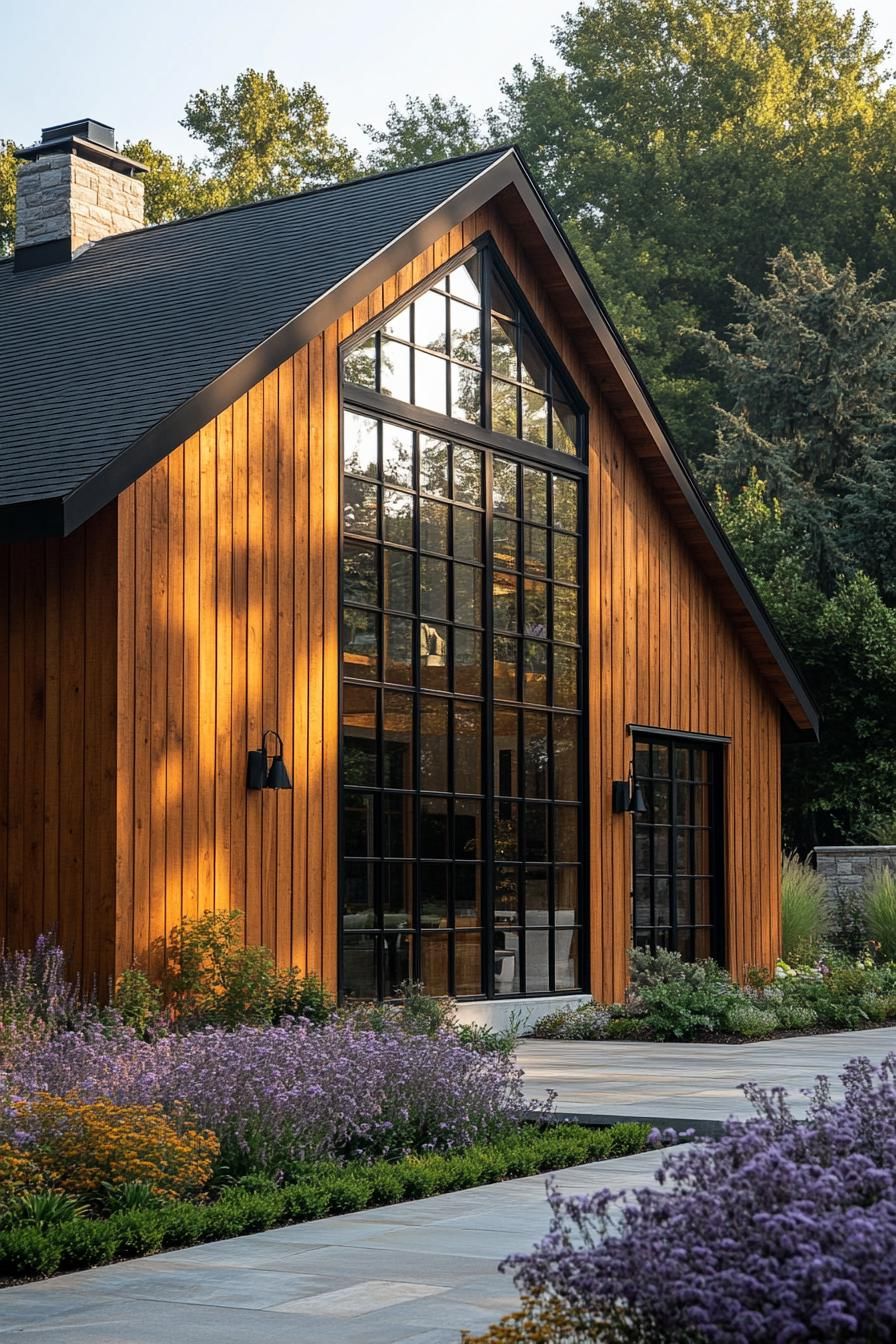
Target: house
x,y
349,577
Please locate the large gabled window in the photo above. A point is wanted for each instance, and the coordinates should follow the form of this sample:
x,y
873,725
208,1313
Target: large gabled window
x,y
463,754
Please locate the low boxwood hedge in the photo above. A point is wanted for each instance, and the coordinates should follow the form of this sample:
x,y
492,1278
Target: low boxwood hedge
x,y
29,1253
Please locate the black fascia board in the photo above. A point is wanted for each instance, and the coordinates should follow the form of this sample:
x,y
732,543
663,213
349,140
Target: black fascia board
x,y
32,520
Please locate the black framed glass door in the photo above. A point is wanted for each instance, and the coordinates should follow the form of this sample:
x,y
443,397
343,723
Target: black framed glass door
x,y
678,880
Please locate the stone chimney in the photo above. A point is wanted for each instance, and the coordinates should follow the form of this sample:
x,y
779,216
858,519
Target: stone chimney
x,y
73,188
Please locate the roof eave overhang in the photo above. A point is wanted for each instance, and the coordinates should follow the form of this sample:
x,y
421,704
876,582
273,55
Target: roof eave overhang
x,y
61,517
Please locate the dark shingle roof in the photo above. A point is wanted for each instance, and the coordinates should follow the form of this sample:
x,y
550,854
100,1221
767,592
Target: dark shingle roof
x,y
95,352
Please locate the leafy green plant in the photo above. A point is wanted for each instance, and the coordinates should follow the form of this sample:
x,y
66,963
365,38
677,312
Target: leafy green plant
x,y
849,923
302,994
804,912
48,1208
489,1040
128,1197
584,1022
137,1000
879,893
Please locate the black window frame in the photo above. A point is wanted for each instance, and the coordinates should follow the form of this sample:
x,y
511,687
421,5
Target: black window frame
x,y
363,400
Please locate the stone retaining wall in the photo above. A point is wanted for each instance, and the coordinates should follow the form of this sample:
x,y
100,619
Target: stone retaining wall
x,y
845,867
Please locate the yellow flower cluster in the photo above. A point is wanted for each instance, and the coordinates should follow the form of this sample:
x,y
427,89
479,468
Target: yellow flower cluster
x,y
19,1174
80,1145
543,1320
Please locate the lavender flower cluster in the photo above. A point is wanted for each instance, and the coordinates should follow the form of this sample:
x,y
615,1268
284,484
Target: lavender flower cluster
x,y
277,1096
781,1230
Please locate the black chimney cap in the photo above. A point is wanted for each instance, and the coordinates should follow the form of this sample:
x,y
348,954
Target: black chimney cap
x,y
97,132
85,139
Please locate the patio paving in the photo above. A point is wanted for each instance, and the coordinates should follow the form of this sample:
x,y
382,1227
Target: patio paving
x,y
685,1084
415,1273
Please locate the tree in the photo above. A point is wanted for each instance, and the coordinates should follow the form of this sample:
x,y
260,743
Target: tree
x,y
809,373
422,131
687,140
264,139
8,165
173,187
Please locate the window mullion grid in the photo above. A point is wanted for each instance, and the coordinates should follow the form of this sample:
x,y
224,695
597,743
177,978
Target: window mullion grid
x,y
416,920
487,918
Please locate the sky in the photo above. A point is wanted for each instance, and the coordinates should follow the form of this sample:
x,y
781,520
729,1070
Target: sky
x,y
134,64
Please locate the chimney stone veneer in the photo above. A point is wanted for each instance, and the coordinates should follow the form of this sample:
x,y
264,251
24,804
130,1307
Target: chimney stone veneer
x,y
60,196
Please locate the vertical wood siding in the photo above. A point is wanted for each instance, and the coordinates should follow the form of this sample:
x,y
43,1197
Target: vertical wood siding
x,y
226,564
57,744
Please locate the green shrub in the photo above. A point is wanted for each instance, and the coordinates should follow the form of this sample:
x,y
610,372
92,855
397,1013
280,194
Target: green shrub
x,y
744,1018
86,1243
302,995
804,910
137,1000
182,1225
584,1022
46,1209
848,923
136,1234
28,1253
128,1197
879,893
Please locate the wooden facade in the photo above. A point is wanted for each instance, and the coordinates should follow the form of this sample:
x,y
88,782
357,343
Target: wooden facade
x,y
150,649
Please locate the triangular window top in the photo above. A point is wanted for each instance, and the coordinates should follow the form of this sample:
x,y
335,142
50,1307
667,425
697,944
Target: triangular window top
x,y
469,349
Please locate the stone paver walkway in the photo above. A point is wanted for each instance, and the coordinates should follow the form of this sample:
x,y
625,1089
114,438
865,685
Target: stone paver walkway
x,y
414,1273
680,1084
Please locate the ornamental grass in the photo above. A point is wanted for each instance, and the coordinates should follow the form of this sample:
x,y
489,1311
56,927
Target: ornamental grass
x,y
784,1229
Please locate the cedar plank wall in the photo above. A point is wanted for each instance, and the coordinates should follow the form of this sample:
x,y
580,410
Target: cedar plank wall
x,y
57,744
228,591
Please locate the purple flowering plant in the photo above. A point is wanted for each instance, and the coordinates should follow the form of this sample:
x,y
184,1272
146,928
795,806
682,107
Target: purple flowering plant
x,y
782,1230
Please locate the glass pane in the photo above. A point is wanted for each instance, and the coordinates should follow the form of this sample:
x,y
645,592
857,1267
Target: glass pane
x,y
398,740
433,656
535,672
466,393
659,759
398,960
506,730
535,897
566,504
433,465
433,736
658,799
566,894
535,608
566,834
564,426
468,475
702,902
398,517
683,852
433,587
566,678
433,526
566,614
701,805
535,755
430,314
702,852
642,849
464,280
359,573
467,595
535,833
535,550
701,764
504,542
684,944
661,849
359,365
535,417
533,365
501,300
504,407
398,893
507,962
468,830
702,944
505,668
398,456
434,962
358,825
395,370
398,580
662,900
537,968
360,445
399,324
434,828
360,507
643,907
507,898
467,534
682,763
504,348
535,495
468,963
430,382
399,650
464,333
566,956
398,826
506,831
360,643
566,558
566,755
683,901
467,662
359,734
504,601
683,805
359,963
504,482
467,748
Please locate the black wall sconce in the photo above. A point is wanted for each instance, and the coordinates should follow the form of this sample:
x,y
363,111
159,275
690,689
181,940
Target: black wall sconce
x,y
627,795
260,775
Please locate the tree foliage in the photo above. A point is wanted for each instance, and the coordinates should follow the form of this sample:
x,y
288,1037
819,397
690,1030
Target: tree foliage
x,y
8,165
423,130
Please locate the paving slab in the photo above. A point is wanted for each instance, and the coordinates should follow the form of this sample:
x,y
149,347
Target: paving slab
x,y
415,1273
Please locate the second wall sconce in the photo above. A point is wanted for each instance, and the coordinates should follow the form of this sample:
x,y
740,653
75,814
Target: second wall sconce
x,y
262,775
